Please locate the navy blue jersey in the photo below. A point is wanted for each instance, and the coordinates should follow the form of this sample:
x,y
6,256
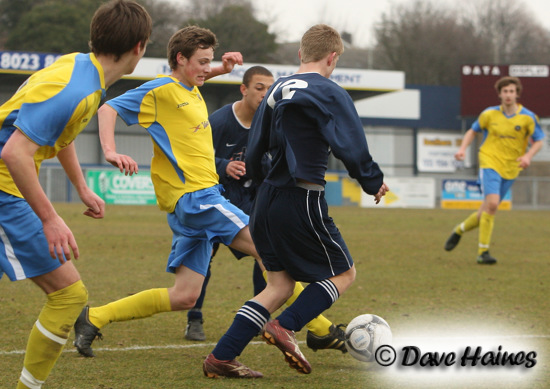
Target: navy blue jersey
x,y
230,139
303,118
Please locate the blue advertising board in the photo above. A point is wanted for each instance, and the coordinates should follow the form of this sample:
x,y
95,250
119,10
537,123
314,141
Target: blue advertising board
x,y
466,194
26,61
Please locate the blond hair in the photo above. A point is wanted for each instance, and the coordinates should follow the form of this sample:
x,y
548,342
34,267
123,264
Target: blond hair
x,y
320,41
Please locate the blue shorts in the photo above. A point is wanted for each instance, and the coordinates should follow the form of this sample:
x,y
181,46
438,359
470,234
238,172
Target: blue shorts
x,y
201,219
242,197
24,251
292,231
492,183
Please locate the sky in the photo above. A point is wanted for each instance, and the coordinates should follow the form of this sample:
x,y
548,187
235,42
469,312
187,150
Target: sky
x,y
291,18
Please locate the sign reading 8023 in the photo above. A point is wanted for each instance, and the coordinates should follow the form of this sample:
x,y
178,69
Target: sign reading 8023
x,y
17,60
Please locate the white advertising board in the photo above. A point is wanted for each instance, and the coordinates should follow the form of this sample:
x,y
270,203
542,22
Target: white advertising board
x,y
436,150
405,192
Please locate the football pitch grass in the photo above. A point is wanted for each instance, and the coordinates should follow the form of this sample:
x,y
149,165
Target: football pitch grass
x,y
437,301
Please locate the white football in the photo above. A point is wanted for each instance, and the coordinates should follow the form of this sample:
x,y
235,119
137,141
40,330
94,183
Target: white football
x,y
365,334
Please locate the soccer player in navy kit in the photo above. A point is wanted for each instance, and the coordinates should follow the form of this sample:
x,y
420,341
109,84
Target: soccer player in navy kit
x,y
230,126
303,118
39,122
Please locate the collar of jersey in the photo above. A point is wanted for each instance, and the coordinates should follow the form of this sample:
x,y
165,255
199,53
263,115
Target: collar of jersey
x,y
101,72
190,89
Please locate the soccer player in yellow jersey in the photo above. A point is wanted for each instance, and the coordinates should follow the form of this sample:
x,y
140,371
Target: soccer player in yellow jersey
x,y
504,152
39,122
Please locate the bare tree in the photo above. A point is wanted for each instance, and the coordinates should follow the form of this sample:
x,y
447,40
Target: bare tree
x,y
511,30
204,9
167,19
237,29
426,41
430,41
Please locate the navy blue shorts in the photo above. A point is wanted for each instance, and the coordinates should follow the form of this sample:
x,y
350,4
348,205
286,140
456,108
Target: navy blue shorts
x,y
292,231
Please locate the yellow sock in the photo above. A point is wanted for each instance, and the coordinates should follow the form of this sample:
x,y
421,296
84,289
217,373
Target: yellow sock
x,y
137,306
486,224
320,326
470,223
50,332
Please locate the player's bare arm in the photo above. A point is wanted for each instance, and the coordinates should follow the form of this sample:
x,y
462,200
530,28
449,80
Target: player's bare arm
x,y
106,118
525,159
69,160
229,60
466,141
18,155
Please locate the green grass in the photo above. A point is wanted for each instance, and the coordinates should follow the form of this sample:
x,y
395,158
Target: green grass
x,y
403,275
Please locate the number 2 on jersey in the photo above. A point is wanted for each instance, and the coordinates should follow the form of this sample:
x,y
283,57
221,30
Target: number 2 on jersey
x,y
288,90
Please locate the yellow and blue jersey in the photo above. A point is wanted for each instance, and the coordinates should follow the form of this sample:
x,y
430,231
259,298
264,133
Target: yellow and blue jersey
x,y
176,118
505,138
51,108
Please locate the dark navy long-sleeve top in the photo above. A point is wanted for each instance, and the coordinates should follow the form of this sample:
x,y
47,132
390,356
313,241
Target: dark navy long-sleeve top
x,y
301,120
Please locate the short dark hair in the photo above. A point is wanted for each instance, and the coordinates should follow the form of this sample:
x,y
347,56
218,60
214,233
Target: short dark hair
x,y
254,70
508,80
117,26
187,41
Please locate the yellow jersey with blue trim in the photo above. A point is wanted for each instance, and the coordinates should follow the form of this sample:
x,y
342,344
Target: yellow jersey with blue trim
x,y
176,118
505,138
51,108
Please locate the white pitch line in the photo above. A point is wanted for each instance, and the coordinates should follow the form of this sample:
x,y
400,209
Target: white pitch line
x,y
133,348
197,345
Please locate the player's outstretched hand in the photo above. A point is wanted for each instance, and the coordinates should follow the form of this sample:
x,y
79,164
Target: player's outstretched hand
x,y
124,163
381,192
230,59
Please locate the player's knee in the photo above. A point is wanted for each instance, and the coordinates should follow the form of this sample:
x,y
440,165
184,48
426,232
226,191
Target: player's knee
x,y
62,308
350,276
287,292
75,295
81,295
491,203
185,302
344,280
492,207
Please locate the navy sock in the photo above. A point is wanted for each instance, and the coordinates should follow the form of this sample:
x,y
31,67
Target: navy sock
x,y
314,300
248,322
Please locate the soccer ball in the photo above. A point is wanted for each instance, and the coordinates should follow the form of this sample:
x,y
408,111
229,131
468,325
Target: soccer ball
x,y
365,334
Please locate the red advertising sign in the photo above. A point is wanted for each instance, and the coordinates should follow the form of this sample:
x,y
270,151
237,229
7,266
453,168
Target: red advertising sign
x,y
478,87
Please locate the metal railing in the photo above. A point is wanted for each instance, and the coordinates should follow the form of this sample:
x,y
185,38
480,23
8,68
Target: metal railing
x,y
527,193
